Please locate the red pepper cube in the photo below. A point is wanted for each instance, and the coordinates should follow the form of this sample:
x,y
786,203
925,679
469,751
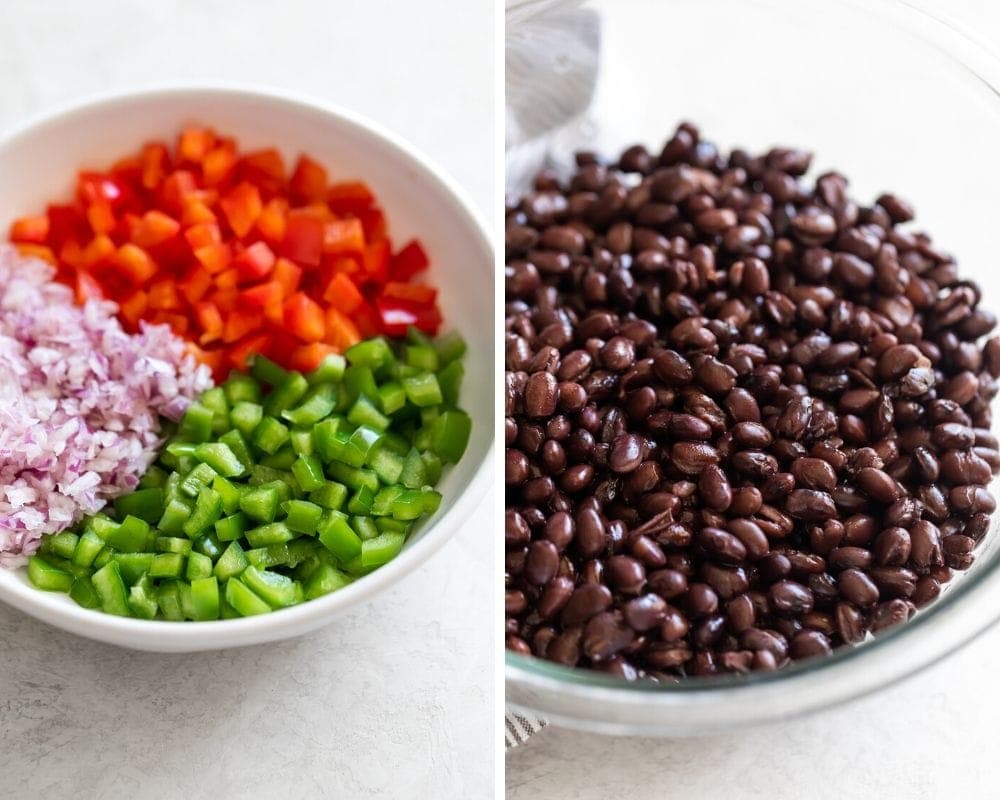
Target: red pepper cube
x,y
134,264
308,183
303,240
343,294
30,230
175,188
95,187
288,274
271,222
155,228
409,261
101,218
155,162
37,251
196,212
133,308
263,168
263,295
250,346
228,279
66,223
209,319
218,164
349,197
202,235
239,322
195,283
341,332
99,252
87,288
376,261
194,143
214,257
343,236
373,221
304,318
163,295
307,357
242,206
255,262
416,294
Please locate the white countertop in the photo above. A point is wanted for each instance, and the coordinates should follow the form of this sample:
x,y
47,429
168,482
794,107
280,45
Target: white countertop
x,y
933,736
394,699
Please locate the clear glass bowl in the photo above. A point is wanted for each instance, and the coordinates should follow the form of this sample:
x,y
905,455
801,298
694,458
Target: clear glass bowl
x,y
894,99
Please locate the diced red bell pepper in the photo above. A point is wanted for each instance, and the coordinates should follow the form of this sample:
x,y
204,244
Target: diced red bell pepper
x,y
98,252
194,143
396,316
255,262
65,223
214,257
288,274
343,236
155,228
37,251
202,235
228,279
209,320
304,318
303,240
376,261
349,197
239,322
271,222
93,187
196,212
134,264
263,168
373,221
175,188
163,295
251,345
409,261
195,283
101,218
218,164
308,183
242,207
30,230
263,295
133,308
341,332
342,293
307,357
155,163
413,293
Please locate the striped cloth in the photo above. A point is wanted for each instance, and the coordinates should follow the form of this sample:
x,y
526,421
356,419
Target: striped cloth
x,y
519,727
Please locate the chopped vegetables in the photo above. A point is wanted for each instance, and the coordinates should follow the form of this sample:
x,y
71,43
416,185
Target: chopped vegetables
x,y
278,487
80,401
235,254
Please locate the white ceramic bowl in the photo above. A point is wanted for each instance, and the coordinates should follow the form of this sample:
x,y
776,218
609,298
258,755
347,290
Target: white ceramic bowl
x,y
38,164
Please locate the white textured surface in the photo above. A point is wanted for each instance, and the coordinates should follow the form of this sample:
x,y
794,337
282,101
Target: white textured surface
x,y
930,737
393,700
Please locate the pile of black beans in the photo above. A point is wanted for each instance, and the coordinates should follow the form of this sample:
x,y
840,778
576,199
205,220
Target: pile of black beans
x,y
747,419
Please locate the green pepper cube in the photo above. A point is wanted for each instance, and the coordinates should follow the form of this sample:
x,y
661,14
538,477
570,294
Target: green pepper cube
x,y
380,550
103,558
243,600
364,412
390,525
61,544
450,435
432,466
272,533
198,566
407,506
413,474
229,492
155,478
431,500
302,516
269,435
142,599
302,441
271,556
231,528
102,526
207,509
330,370
325,579
286,395
337,536
133,566
232,562
308,471
450,380
352,477
131,535
146,504
266,371
220,458
278,591
324,438
386,464
281,460
422,356
363,440
341,450
260,503
196,425
361,501
330,495
384,498
208,545
110,590
201,475
205,598
172,544
169,600
391,397
43,575
83,593
450,347
167,565
246,416
423,390
364,527
359,380
371,353
317,404
240,387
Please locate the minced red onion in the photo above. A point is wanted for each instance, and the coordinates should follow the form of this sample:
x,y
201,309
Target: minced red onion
x,y
80,403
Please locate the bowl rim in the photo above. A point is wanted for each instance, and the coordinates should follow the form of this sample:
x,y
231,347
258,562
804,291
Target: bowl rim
x,y
52,608
591,700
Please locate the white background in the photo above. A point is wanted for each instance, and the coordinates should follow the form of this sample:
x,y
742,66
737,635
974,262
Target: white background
x,y
933,736
393,700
